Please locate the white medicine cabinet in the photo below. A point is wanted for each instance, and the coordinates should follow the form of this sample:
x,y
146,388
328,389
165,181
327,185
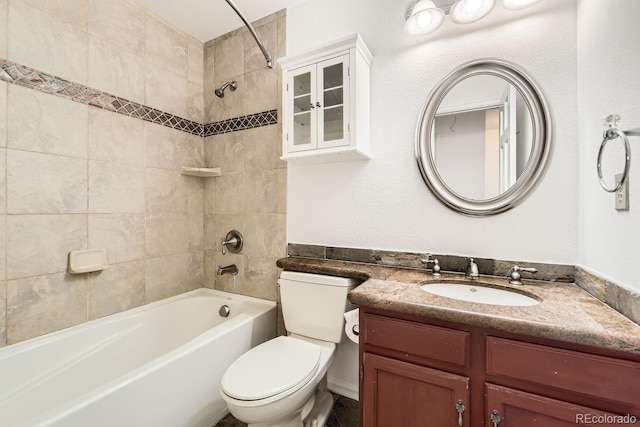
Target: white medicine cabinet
x,y
326,104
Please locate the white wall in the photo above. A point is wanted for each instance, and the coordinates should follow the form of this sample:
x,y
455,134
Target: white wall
x,y
383,203
608,82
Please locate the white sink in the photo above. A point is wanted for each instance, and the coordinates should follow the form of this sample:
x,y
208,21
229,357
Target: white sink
x,y
479,294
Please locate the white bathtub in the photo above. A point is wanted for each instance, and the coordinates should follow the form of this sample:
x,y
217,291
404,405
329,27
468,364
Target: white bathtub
x,y
158,365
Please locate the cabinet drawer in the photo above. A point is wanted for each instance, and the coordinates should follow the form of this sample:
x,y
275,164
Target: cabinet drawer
x,y
587,374
431,342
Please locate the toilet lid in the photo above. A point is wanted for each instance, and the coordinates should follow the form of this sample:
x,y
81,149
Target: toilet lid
x,y
271,368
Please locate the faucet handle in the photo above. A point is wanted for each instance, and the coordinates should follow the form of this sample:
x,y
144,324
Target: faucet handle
x,y
472,271
435,271
514,274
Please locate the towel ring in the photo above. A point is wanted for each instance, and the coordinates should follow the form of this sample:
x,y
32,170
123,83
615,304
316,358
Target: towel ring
x,y
609,134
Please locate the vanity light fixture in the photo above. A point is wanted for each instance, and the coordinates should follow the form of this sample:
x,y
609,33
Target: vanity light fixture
x,y
426,16
423,18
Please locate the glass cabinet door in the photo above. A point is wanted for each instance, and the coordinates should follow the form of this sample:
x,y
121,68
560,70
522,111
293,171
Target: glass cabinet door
x,y
302,87
333,94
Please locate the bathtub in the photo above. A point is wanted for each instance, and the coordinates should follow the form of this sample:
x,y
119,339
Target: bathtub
x,y
158,365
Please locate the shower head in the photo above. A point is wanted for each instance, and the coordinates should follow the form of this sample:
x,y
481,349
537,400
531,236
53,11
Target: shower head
x,y
231,85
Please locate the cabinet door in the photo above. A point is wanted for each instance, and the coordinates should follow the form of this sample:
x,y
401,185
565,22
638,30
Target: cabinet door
x,y
301,108
333,102
397,394
513,408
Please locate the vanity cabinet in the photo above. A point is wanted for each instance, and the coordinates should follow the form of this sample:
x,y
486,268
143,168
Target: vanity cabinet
x,y
422,372
326,103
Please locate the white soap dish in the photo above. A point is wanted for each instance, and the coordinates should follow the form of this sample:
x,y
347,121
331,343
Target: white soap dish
x,y
87,261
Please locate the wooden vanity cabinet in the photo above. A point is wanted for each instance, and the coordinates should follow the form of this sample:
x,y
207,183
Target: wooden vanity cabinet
x,y
428,373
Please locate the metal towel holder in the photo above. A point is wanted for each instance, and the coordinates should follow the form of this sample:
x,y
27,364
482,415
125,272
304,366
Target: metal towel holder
x,y
612,132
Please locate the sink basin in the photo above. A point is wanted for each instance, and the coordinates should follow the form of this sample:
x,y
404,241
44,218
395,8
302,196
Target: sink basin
x,y
479,294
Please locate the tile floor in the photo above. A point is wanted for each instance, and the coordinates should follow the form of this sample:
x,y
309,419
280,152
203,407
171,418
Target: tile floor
x,y
345,414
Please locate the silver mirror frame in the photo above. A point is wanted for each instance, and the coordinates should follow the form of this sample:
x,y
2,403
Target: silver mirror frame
x,y
541,147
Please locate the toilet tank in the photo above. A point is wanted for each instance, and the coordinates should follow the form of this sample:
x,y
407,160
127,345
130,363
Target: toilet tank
x,y
313,305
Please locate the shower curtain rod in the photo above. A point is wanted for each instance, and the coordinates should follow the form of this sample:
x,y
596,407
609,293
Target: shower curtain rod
x,y
268,57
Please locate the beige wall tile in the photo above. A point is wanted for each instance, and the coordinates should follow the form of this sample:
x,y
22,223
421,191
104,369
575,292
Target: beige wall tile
x,y
40,122
261,148
116,188
282,191
209,195
195,100
122,235
195,225
39,244
209,83
229,151
3,109
262,84
115,138
39,40
261,233
195,61
268,34
195,273
260,277
3,181
166,234
118,288
163,147
261,191
4,8
229,57
74,12
166,191
192,149
3,314
166,276
166,91
209,270
3,249
120,22
221,225
165,47
195,194
228,193
281,238
43,183
43,304
115,70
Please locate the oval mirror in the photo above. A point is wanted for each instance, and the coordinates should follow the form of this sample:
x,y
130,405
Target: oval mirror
x,y
483,139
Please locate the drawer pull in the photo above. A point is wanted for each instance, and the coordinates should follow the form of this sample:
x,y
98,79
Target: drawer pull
x,y
495,418
460,410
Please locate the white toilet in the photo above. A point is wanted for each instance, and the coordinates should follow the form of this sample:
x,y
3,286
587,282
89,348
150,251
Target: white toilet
x,y
283,382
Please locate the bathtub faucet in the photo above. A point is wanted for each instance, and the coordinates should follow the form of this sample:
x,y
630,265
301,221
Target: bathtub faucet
x,y
229,269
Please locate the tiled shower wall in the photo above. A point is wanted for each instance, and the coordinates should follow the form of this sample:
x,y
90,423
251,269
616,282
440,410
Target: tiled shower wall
x,y
250,195
74,176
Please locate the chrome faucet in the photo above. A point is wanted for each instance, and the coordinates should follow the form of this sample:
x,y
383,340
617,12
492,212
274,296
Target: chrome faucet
x,y
514,274
229,269
471,272
435,271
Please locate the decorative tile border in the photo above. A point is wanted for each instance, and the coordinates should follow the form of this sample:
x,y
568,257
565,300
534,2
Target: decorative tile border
x,y
28,77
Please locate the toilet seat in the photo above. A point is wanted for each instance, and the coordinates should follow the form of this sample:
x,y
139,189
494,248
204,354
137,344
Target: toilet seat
x,y
280,366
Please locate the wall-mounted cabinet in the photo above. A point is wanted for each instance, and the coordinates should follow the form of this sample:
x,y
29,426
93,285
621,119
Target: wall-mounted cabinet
x,y
326,103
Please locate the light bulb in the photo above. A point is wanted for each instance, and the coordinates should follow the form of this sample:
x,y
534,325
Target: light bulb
x,y
468,11
424,18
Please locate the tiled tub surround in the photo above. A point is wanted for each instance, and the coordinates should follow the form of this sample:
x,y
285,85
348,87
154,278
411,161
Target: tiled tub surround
x,y
565,313
617,297
77,176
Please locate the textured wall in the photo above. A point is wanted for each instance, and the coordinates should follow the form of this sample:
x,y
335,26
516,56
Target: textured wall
x,y
608,70
73,176
383,203
250,194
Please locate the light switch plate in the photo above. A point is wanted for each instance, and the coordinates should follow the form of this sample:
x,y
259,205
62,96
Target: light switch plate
x,y
622,195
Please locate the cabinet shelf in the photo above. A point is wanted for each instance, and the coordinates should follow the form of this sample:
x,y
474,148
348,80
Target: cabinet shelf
x,y
201,172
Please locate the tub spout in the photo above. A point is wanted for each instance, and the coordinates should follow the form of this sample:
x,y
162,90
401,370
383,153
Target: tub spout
x,y
229,269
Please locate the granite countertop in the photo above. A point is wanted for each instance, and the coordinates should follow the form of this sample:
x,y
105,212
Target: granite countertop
x,y
565,313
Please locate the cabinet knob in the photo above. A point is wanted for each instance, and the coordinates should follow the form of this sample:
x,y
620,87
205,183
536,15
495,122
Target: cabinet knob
x,y
312,106
318,104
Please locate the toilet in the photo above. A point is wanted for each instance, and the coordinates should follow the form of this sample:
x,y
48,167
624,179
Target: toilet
x,y
283,382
